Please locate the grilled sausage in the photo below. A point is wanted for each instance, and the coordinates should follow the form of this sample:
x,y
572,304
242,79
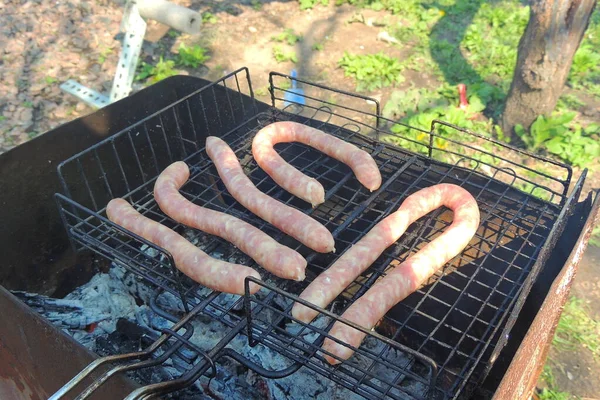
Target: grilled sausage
x,y
289,220
294,181
274,257
404,278
212,273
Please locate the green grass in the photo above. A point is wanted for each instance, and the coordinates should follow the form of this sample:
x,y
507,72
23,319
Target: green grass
x,y
551,392
595,238
585,71
192,56
476,42
155,73
309,4
104,54
262,91
576,328
418,107
288,36
372,71
209,18
280,55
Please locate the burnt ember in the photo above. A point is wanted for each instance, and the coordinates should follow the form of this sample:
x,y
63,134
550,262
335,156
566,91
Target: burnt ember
x,y
105,315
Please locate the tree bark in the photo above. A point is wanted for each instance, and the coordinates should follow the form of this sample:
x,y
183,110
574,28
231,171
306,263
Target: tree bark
x,y
546,51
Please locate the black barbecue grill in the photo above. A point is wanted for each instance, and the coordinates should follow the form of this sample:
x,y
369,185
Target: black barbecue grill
x,y
439,343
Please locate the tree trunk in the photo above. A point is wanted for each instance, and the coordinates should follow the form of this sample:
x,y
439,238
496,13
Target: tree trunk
x,y
546,51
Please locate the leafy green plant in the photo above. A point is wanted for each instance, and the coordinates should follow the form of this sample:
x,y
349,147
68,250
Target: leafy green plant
x,y
585,60
209,18
317,46
50,80
256,4
585,70
576,328
309,4
104,54
288,36
418,107
544,129
284,84
571,142
154,73
550,394
262,91
594,238
372,71
191,56
578,147
281,55
144,71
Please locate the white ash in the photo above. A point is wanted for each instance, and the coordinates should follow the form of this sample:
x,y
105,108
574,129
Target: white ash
x,y
149,251
96,306
116,294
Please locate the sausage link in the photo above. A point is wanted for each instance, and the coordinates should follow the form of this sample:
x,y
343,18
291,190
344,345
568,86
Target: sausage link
x,y
404,278
289,220
212,273
274,257
294,181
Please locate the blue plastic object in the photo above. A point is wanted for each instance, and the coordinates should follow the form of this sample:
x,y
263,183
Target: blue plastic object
x,y
295,94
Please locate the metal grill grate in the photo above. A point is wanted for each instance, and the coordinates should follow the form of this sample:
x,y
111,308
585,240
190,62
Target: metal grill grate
x,y
439,341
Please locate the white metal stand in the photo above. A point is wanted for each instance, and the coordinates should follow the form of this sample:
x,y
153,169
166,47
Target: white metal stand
x,y
133,26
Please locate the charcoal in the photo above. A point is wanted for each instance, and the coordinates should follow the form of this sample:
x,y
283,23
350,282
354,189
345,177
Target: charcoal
x,y
114,304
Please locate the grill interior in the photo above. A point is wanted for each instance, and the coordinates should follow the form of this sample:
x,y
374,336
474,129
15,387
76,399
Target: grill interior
x,y
437,343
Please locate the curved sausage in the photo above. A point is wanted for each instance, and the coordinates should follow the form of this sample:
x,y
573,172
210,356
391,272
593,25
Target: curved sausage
x,y
289,220
404,278
274,257
294,181
212,273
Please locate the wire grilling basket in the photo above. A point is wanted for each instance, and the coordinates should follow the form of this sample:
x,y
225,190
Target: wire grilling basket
x,y
436,344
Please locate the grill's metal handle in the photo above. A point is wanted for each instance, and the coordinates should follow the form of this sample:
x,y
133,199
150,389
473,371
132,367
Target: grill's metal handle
x,y
141,355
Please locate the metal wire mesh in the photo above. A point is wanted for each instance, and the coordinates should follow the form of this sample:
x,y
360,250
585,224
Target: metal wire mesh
x,y
451,328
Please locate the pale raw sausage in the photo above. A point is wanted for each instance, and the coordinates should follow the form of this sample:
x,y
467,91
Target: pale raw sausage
x,y
294,181
404,278
274,257
212,273
289,220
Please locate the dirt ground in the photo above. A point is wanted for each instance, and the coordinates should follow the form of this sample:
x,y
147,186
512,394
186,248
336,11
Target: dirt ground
x,y
578,372
44,43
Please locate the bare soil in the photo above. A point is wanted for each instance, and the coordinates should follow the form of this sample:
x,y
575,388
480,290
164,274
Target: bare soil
x,y
578,372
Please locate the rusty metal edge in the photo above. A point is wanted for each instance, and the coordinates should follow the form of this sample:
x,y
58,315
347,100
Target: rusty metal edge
x,y
36,358
520,379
